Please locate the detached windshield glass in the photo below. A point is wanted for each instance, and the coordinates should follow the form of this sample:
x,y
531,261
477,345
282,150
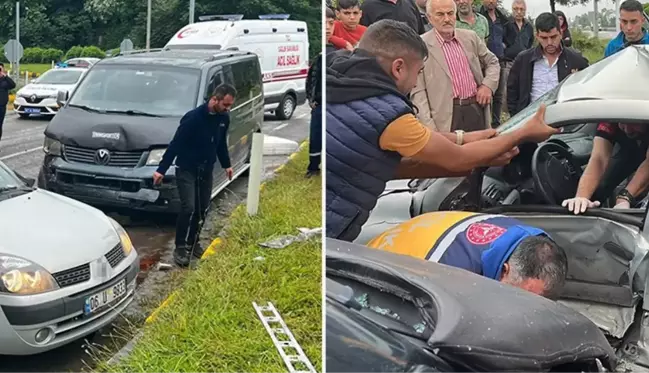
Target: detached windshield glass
x,y
57,76
519,119
158,90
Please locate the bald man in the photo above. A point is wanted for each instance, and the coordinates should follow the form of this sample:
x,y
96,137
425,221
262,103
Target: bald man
x,y
452,93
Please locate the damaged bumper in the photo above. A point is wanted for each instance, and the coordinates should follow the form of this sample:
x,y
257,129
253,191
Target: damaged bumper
x,y
109,186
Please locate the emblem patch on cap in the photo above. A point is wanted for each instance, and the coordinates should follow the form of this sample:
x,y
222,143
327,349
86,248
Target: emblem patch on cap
x,y
483,233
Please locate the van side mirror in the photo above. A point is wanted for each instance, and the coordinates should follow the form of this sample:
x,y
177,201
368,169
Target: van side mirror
x,y
62,98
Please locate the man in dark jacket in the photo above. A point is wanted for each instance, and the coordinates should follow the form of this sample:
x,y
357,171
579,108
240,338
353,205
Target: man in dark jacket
x,y
6,85
314,95
199,140
373,135
519,36
496,44
539,70
399,10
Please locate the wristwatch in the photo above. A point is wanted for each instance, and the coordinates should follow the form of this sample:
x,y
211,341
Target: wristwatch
x,y
460,137
624,194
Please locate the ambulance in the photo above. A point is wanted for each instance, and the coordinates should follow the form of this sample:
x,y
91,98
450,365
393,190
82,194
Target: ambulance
x,y
282,46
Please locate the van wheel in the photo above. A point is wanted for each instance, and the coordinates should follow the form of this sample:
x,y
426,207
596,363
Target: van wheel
x,y
286,107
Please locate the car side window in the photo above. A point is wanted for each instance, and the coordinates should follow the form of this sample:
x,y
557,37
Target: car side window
x,y
247,79
215,79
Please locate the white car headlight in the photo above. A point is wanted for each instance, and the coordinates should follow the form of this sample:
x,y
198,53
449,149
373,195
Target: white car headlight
x,y
52,147
127,245
155,157
22,277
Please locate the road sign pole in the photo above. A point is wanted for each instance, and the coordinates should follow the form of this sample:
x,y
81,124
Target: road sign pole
x,y
17,38
148,26
192,5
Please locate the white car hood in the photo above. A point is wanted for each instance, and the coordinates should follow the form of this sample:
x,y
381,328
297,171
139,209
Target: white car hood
x,y
44,89
54,231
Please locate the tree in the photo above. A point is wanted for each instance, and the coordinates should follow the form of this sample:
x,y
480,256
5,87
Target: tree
x,y
566,3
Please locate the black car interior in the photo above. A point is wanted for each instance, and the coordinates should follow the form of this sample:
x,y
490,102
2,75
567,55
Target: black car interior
x,y
450,313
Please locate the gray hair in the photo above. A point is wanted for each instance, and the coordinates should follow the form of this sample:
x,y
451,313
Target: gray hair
x,y
519,2
389,38
538,257
429,6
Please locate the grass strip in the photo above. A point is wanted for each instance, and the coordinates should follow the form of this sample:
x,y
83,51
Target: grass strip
x,y
211,325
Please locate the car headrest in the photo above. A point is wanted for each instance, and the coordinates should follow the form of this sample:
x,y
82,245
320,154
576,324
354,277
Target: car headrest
x,y
480,324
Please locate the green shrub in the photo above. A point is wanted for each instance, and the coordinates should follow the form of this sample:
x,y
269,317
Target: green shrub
x,y
591,47
92,51
74,52
52,54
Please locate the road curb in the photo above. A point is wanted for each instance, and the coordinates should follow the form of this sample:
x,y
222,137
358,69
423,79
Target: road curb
x,y
211,250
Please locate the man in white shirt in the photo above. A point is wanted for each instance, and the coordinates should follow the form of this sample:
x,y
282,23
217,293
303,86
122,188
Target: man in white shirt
x,y
538,70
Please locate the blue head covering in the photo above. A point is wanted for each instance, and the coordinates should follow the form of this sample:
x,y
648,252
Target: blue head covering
x,y
503,247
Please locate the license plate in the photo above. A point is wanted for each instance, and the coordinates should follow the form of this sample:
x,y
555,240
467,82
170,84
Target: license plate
x,y
32,110
105,297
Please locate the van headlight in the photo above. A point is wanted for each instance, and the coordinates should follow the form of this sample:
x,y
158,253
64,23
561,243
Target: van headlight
x,y
124,239
155,157
23,277
52,147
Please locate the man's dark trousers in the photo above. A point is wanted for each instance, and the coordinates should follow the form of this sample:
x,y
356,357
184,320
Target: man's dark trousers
x,y
3,112
315,138
194,189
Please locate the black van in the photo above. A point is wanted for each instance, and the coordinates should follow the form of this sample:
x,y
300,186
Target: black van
x,y
105,143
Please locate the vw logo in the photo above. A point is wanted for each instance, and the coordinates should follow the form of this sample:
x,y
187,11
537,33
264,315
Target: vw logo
x,y
102,156
32,98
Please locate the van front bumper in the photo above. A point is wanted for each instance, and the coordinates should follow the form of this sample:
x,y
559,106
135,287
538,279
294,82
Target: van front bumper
x,y
104,186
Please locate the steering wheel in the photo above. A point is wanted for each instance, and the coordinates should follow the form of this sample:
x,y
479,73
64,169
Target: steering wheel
x,y
555,172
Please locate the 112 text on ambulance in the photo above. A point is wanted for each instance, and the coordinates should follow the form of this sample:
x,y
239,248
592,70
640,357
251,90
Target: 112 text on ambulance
x,y
291,59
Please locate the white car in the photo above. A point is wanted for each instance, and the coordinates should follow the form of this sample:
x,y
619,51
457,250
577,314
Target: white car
x,y
66,269
39,96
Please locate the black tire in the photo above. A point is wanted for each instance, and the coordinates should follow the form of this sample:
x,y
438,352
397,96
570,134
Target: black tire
x,y
23,116
286,107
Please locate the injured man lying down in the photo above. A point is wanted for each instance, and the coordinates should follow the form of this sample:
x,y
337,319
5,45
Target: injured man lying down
x,y
495,246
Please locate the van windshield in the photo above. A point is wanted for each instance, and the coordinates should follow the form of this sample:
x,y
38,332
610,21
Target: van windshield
x,y
158,90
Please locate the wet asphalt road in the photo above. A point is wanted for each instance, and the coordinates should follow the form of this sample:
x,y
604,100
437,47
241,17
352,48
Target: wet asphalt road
x,y
21,150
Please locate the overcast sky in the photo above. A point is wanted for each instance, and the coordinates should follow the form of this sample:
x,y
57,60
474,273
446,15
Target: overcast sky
x,y
536,7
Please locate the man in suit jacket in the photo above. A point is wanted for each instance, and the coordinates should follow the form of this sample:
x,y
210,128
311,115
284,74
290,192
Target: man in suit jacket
x,y
452,93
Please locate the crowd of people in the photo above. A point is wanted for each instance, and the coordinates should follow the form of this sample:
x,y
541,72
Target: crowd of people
x,y
415,88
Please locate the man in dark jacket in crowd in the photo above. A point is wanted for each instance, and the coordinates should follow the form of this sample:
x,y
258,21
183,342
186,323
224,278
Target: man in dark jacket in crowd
x,y
398,10
373,135
200,139
496,44
6,85
314,95
519,36
564,28
421,4
538,70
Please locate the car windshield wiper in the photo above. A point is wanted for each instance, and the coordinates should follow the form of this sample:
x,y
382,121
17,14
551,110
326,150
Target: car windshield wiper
x,y
134,112
14,188
86,108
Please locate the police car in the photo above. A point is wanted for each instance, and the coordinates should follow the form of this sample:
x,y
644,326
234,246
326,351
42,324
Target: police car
x,y
39,96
